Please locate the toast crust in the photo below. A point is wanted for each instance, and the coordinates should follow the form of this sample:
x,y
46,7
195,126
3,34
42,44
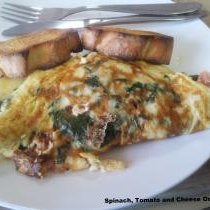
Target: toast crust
x,y
25,42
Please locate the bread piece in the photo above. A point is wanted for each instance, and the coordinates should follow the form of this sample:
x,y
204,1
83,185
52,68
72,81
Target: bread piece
x,y
41,50
128,44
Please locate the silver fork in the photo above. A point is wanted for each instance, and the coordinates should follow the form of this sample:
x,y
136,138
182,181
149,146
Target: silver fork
x,y
21,14
78,24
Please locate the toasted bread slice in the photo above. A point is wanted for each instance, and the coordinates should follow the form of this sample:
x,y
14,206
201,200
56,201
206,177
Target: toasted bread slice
x,y
128,44
40,50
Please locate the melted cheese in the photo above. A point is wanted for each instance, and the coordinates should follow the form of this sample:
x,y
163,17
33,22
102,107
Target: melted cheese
x,y
191,101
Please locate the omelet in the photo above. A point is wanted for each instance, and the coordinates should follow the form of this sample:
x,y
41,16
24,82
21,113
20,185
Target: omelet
x,y
63,118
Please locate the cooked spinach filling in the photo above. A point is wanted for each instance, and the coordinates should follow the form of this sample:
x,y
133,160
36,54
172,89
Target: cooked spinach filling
x,y
70,125
166,77
176,97
61,154
84,131
194,77
143,86
120,80
93,81
112,130
152,90
1,102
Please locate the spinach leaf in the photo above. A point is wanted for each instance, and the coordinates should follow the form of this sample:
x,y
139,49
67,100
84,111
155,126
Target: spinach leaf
x,y
176,97
83,131
61,154
134,86
112,130
166,77
70,125
110,133
93,81
121,80
1,102
153,90
194,77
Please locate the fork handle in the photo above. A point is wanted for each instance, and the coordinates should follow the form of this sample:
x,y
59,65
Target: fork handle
x,y
153,9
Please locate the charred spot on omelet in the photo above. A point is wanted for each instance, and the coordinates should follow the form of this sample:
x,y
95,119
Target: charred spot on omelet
x,y
92,105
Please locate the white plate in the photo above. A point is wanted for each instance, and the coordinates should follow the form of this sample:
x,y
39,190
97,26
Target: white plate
x,y
153,167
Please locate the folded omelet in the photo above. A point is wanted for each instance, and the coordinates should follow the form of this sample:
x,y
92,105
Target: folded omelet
x,y
60,118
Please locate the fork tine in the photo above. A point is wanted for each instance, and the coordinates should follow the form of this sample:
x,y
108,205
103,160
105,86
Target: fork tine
x,y
19,16
20,11
27,8
13,20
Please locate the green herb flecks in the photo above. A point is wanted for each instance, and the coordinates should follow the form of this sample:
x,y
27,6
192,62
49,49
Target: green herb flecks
x,y
85,54
54,105
93,81
1,102
121,80
61,154
97,64
176,97
166,77
37,90
152,89
194,77
21,147
87,69
93,68
165,122
136,85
